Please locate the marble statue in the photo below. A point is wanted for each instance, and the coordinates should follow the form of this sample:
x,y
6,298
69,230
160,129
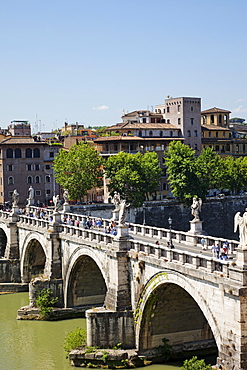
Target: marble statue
x,y
66,196
122,211
56,202
196,208
31,192
15,198
241,223
116,201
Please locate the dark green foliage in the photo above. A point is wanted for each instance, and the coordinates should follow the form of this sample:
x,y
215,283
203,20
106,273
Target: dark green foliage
x,y
45,301
78,170
133,176
195,364
75,339
165,350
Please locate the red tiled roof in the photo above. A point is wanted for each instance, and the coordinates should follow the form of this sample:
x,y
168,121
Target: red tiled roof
x,y
215,110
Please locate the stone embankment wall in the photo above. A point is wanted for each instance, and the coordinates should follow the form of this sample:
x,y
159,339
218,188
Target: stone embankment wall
x,y
217,214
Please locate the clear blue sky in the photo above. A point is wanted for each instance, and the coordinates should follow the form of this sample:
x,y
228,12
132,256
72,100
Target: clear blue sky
x,y
85,61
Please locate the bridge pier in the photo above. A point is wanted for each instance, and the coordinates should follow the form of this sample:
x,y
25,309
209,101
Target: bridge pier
x,y
114,323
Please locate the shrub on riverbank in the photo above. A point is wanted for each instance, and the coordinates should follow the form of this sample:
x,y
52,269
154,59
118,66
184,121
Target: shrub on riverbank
x,y
195,364
75,339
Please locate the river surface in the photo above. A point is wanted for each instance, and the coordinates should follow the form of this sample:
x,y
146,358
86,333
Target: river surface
x,y
37,345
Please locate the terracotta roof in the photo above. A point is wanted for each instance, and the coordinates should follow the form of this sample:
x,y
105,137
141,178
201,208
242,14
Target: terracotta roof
x,y
214,127
21,140
215,110
135,138
141,111
144,126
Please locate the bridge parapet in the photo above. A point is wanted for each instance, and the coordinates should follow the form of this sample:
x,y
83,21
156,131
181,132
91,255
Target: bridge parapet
x,y
180,236
161,255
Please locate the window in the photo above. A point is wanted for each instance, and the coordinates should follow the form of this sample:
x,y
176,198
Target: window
x,y
217,148
168,109
47,166
140,133
179,106
228,147
179,121
38,192
212,118
188,133
164,110
171,133
29,179
192,121
220,119
164,186
48,191
144,120
202,133
191,109
9,153
51,154
10,167
10,193
115,148
36,153
209,134
161,133
216,134
243,148
37,167
10,180
17,153
196,147
28,153
168,121
237,148
224,134
37,179
150,133
47,178
29,167
230,135
204,120
195,133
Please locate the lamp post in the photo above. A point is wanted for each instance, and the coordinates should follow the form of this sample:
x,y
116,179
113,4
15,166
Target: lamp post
x,y
170,236
144,214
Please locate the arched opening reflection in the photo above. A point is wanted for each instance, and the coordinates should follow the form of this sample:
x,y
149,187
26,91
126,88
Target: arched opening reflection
x,y
172,313
34,262
86,284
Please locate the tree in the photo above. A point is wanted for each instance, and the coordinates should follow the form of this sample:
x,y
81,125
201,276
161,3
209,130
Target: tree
x,y
78,169
133,176
182,172
235,174
210,168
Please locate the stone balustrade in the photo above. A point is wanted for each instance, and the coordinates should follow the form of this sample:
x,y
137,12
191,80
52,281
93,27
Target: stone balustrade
x,y
181,257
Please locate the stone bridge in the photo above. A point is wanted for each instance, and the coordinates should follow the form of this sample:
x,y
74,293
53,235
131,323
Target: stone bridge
x,y
139,292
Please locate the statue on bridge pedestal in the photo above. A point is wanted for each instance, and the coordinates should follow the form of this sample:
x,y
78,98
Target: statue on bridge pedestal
x,y
56,202
30,199
241,223
15,198
116,201
66,196
122,212
196,207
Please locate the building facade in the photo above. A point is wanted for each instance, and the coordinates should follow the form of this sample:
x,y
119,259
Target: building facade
x,y
25,162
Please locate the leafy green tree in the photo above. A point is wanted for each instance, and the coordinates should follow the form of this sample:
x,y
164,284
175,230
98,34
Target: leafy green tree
x,y
210,168
78,169
182,172
235,174
195,364
133,176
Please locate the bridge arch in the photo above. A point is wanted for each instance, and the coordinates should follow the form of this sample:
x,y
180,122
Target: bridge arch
x,y
85,280
3,241
34,257
172,307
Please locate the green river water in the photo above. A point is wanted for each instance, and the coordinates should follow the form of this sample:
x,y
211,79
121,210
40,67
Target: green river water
x,y
37,345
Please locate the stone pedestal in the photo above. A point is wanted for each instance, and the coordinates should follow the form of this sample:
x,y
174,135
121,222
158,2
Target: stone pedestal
x,y
196,227
241,257
122,232
66,208
15,210
30,202
56,217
